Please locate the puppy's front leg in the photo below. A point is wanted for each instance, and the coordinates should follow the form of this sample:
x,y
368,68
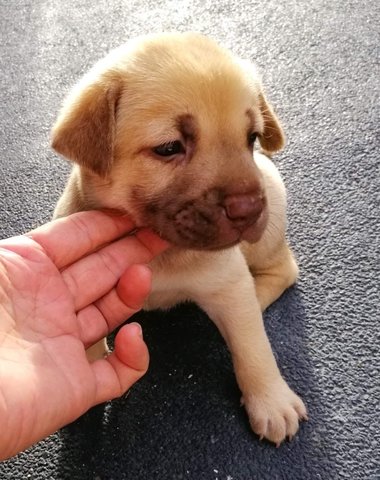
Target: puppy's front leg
x,y
274,410
97,351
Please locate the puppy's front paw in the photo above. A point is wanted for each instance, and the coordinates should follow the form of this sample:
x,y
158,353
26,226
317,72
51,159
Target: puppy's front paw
x,y
274,413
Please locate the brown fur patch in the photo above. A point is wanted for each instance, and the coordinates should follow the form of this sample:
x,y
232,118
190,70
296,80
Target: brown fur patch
x,y
86,134
272,139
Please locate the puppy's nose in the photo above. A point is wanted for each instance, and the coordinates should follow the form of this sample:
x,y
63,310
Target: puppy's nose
x,y
244,209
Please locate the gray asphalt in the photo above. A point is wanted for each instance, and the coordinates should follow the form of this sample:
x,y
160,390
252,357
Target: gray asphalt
x,y
320,63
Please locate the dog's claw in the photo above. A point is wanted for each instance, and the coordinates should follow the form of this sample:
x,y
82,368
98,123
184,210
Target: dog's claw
x,y
275,414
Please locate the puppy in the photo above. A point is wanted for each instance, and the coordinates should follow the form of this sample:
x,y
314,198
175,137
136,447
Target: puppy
x,y
164,129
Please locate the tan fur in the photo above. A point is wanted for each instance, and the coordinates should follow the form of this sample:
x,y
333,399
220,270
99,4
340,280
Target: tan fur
x,y
185,87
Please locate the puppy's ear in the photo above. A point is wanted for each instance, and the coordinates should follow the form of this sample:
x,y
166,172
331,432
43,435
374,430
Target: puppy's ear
x,y
85,128
272,139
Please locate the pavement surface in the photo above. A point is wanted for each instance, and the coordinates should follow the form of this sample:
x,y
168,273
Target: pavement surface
x,y
320,64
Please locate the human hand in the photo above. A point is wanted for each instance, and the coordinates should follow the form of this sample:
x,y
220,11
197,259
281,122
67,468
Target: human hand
x,y
63,287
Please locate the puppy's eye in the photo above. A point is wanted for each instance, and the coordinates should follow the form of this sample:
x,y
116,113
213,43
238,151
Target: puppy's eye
x,y
251,138
169,149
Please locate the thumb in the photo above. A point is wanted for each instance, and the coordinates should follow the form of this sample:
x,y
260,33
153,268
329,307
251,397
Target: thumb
x,y
129,361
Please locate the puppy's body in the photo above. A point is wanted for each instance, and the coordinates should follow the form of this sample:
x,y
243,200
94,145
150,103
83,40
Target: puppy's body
x,y
163,129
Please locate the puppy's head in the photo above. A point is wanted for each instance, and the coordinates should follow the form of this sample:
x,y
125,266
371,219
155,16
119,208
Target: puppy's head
x,y
164,129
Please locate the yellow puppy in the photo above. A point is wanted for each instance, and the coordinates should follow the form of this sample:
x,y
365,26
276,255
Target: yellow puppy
x,y
164,129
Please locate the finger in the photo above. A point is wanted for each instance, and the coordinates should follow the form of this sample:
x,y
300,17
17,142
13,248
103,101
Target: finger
x,y
153,242
67,239
129,361
98,320
93,276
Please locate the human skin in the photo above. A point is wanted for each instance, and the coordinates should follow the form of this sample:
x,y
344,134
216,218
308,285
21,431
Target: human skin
x,y
64,286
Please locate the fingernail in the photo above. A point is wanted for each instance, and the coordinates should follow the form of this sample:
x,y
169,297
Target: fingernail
x,y
137,328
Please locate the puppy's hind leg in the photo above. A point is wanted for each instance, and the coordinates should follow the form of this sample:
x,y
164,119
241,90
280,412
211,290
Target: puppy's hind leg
x,y
270,260
272,280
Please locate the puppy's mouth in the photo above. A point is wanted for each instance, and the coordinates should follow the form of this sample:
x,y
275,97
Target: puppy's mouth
x,y
198,232
211,222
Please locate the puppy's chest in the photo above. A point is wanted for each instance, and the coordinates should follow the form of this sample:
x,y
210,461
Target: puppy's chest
x,y
178,277
170,287
190,276
163,300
